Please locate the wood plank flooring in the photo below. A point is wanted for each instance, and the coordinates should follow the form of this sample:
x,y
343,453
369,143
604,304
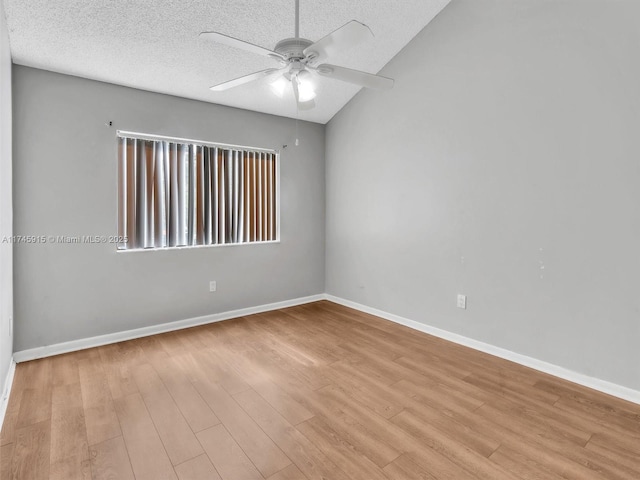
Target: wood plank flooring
x,y
315,392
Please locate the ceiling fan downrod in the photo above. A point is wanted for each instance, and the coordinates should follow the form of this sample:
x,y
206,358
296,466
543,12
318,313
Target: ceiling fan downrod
x,y
297,33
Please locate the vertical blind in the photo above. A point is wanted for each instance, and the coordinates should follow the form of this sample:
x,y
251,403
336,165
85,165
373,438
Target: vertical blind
x,y
174,194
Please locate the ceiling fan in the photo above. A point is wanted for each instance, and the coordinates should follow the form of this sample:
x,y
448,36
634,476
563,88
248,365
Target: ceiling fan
x,y
301,60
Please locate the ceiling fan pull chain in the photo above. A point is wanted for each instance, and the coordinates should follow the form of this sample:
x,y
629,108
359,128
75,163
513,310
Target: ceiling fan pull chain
x,y
297,119
294,83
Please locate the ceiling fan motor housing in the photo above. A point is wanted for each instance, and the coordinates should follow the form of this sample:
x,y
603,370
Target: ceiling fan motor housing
x,y
292,48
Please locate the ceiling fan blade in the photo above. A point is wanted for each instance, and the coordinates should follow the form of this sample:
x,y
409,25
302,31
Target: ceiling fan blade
x,y
349,35
240,44
236,82
357,77
308,105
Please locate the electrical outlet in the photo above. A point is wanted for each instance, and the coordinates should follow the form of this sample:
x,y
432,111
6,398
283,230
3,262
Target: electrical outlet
x,y
212,286
462,301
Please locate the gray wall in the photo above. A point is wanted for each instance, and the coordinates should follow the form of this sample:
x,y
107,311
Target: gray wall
x,y
6,249
503,165
65,166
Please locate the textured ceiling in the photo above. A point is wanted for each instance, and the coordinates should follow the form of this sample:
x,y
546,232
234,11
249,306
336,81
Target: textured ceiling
x,y
154,45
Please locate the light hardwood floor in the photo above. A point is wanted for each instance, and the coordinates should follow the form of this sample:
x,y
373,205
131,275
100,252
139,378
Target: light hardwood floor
x,y
311,392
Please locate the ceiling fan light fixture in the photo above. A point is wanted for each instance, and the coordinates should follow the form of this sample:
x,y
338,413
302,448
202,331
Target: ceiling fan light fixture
x,y
278,86
306,86
306,92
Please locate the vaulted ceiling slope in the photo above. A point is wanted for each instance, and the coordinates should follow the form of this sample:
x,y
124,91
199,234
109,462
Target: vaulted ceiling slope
x,y
154,45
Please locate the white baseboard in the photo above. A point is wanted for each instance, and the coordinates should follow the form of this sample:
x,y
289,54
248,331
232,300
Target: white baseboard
x,y
555,370
561,372
84,343
6,391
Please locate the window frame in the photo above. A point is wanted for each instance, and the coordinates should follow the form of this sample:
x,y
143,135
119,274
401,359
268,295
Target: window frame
x,y
198,143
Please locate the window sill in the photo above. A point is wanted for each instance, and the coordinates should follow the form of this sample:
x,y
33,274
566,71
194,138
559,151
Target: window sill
x,y
192,247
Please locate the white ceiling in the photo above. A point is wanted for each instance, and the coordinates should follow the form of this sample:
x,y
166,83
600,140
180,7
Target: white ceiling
x,y
153,44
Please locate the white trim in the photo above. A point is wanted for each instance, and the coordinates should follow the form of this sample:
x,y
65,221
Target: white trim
x,y
6,391
542,366
185,247
74,345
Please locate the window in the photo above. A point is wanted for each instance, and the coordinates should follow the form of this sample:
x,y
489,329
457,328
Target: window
x,y
179,193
